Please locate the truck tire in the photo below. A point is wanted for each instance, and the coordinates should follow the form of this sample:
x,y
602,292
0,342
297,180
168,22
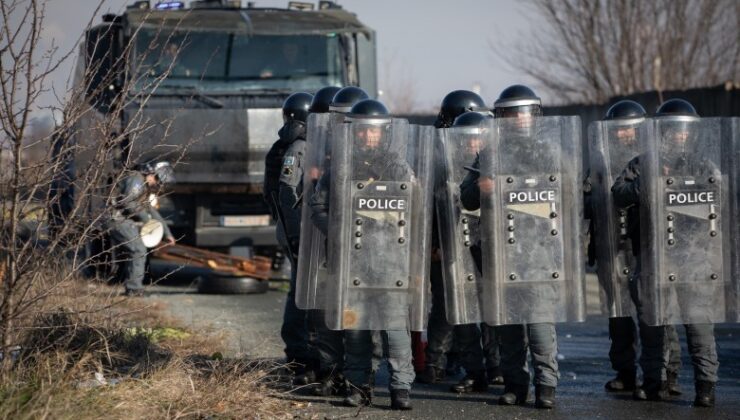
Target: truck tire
x,y
230,285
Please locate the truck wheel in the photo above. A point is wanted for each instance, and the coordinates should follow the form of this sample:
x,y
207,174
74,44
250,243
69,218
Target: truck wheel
x,y
230,285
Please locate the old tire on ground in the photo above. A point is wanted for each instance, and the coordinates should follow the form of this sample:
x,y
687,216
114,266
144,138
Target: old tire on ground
x,y
230,285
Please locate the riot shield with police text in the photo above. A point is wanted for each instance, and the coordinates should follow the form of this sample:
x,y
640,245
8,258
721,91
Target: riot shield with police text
x,y
312,263
459,236
684,223
612,144
380,188
531,222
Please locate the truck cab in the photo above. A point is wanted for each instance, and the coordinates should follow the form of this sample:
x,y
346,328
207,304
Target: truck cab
x,y
208,81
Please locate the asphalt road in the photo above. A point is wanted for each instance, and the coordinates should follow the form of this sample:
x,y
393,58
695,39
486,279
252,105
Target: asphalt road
x,y
252,324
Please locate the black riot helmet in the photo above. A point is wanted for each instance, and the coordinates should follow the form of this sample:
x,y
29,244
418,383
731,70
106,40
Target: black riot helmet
x,y
677,109
368,108
470,119
295,108
625,110
678,126
322,99
370,119
516,100
162,170
346,97
473,126
456,103
625,115
473,120
519,106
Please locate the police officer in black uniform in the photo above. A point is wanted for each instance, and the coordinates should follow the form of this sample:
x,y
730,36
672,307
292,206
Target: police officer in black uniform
x,y
292,137
489,337
375,163
656,340
442,337
540,339
329,344
131,207
622,330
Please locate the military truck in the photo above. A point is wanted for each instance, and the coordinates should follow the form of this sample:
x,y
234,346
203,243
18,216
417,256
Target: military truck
x,y
224,70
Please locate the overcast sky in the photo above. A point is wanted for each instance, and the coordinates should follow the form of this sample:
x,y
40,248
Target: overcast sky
x,y
441,45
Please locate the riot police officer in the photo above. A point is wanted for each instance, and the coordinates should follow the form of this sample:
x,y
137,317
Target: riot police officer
x,y
611,233
283,199
675,120
520,106
302,166
489,336
328,344
442,338
371,160
613,143
624,119
131,207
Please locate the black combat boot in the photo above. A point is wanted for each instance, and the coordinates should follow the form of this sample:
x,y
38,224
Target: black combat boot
x,y
472,382
672,384
358,395
704,394
514,395
431,375
330,384
301,370
400,399
651,391
544,396
495,376
304,376
625,381
453,364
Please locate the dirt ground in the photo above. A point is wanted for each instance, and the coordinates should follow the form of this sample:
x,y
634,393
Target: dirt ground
x,y
252,323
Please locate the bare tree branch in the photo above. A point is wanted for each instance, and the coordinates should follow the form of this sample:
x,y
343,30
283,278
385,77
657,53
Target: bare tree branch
x,y
591,50
44,235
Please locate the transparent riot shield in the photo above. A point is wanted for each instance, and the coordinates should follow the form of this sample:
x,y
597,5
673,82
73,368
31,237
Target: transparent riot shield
x,y
379,223
312,258
612,144
311,275
731,141
459,236
531,214
420,155
684,223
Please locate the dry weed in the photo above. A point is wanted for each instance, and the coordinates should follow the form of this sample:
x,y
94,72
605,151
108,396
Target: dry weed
x,y
80,361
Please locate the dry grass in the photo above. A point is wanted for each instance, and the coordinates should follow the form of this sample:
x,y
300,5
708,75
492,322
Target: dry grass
x,y
160,372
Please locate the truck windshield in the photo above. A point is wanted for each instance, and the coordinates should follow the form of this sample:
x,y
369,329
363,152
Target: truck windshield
x,y
211,60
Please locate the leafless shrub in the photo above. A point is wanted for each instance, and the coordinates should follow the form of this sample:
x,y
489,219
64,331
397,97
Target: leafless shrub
x,y
57,186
